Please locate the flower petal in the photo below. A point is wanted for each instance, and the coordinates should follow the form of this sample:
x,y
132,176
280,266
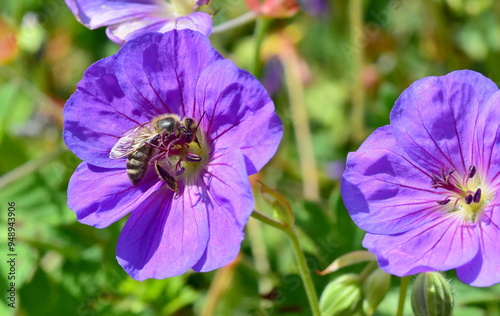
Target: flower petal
x,y
487,142
97,13
483,269
434,118
229,206
163,237
196,21
440,245
160,71
97,113
101,196
199,3
384,192
239,112
126,31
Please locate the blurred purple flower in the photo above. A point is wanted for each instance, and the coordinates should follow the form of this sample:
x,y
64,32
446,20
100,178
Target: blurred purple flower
x,y
316,8
335,169
425,187
201,225
127,19
272,77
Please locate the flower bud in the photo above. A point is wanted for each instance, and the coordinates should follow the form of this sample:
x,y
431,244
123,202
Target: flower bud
x,y
342,296
375,287
431,295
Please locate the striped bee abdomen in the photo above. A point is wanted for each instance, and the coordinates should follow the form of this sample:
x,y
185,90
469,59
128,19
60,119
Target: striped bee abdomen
x,y
137,163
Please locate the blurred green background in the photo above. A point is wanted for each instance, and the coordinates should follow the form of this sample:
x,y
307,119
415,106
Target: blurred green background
x,y
334,79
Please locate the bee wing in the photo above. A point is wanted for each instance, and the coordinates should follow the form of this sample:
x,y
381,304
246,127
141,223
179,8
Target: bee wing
x,y
131,141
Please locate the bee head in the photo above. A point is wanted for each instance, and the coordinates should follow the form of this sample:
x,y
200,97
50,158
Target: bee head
x,y
190,123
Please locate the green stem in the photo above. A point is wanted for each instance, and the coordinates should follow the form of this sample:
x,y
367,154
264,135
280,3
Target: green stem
x,y
402,294
268,220
304,273
260,31
368,270
301,128
301,259
357,88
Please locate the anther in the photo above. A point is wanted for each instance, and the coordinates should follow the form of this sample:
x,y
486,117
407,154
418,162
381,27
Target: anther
x,y
443,202
193,158
446,176
180,171
469,198
472,171
477,196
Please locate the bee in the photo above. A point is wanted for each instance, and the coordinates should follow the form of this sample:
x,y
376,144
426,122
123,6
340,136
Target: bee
x,y
138,144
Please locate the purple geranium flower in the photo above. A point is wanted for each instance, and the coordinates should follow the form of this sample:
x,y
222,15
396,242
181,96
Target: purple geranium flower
x,y
425,187
127,19
190,207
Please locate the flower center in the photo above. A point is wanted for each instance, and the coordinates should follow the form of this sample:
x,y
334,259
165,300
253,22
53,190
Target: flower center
x,y
467,193
180,155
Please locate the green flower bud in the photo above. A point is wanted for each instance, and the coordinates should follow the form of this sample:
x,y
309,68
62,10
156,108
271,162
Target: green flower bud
x,y
342,296
431,295
375,288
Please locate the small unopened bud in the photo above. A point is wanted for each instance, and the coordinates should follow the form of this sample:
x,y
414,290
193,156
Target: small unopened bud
x,y
342,296
375,287
279,204
431,295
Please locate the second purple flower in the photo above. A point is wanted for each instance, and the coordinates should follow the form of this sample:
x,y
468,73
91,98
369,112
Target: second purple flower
x,y
425,187
127,19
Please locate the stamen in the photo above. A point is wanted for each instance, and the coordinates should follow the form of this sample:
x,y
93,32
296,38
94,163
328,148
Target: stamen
x,y
472,171
193,158
444,202
477,196
469,198
180,171
447,176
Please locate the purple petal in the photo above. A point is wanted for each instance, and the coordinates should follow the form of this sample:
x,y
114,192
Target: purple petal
x,y
164,237
384,192
316,8
160,71
199,3
97,113
123,32
483,269
443,244
98,13
434,118
272,78
101,196
487,141
239,112
229,206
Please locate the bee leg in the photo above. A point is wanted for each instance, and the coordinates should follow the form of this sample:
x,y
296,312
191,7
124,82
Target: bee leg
x,y
165,176
154,142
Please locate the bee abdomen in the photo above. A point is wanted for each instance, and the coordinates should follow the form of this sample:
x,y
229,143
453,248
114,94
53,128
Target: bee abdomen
x,y
137,164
